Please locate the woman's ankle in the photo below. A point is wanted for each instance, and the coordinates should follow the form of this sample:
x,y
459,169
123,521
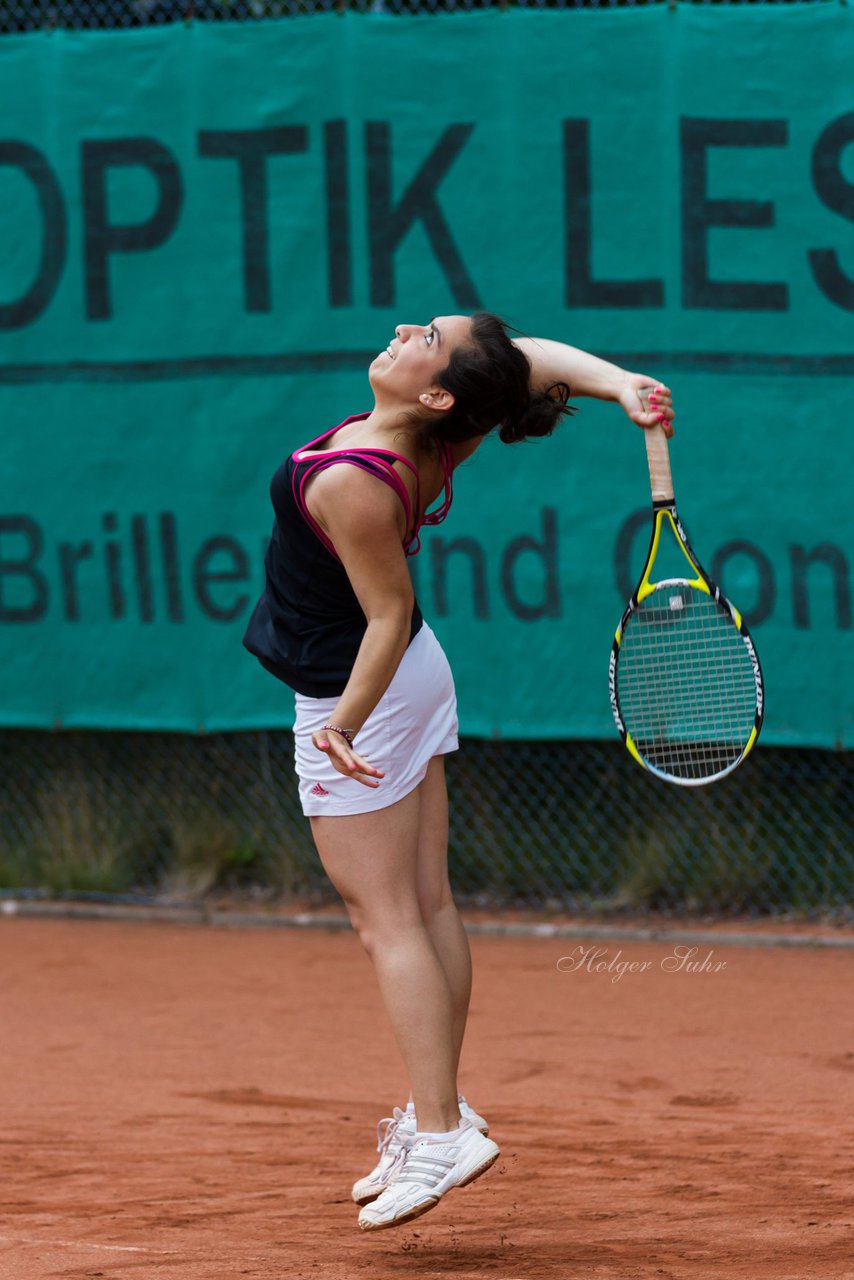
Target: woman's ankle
x,y
437,1119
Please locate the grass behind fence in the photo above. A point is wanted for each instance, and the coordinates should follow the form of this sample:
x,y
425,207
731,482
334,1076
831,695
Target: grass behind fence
x,y
566,825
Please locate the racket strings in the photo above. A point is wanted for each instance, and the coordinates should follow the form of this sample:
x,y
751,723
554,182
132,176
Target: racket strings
x,y
686,684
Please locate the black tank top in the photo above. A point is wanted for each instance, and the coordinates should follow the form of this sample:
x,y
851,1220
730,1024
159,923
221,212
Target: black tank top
x,y
307,626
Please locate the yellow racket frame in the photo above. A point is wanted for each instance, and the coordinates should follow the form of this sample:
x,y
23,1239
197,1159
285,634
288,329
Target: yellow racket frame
x,y
647,588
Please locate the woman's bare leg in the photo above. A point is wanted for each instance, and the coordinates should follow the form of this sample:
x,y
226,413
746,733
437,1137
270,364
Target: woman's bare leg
x,y
438,909
371,859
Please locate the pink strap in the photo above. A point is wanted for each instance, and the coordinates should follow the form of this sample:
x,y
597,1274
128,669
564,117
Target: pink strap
x,y
383,470
438,514
377,467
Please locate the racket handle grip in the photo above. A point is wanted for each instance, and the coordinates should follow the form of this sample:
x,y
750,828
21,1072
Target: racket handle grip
x,y
658,459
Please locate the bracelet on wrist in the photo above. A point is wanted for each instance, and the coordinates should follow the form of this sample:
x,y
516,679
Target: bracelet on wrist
x,y
346,734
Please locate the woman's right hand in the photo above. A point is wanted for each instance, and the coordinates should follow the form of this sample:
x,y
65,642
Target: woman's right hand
x,y
647,402
345,759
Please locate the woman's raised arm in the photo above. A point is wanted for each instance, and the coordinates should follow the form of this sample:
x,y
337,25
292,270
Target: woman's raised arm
x,y
587,375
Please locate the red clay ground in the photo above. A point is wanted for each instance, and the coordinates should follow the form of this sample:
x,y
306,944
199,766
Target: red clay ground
x,y
189,1103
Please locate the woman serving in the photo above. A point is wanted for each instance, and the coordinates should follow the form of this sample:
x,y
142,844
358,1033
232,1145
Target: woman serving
x,y
375,703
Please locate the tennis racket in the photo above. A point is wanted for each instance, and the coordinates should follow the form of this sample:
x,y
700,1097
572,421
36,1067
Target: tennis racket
x,y
685,681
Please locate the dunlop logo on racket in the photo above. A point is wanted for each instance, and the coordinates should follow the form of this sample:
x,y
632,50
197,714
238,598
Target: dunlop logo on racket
x,y
684,678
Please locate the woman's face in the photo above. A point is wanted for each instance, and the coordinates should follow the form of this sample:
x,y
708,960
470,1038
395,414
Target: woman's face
x,y
408,369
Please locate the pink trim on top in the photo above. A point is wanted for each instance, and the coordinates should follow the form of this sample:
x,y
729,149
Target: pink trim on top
x,y
307,516
327,458
438,514
389,477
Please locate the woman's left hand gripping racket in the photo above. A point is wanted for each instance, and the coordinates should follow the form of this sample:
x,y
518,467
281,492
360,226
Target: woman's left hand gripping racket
x,y
685,681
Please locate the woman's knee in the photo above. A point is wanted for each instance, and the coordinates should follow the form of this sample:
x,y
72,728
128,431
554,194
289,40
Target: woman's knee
x,y
360,924
434,898
376,929
359,921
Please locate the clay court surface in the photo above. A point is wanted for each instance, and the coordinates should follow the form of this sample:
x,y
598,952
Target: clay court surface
x,y
190,1102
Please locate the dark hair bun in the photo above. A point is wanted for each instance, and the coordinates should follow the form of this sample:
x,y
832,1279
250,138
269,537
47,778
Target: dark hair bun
x,y
490,380
540,415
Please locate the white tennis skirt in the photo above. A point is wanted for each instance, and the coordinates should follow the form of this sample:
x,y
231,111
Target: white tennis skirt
x,y
415,719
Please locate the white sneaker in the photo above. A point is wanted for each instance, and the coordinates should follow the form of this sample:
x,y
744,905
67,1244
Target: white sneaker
x,y
430,1167
391,1149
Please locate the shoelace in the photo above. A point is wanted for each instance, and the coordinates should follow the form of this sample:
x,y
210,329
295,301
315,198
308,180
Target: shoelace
x,y
384,1140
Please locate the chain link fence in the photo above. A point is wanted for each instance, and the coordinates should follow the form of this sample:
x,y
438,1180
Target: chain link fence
x,y
565,826
31,15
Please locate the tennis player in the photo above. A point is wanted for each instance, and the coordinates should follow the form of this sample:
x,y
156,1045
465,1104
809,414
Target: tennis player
x,y
375,705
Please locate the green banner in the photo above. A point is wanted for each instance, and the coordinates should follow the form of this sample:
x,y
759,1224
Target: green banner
x,y
210,230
